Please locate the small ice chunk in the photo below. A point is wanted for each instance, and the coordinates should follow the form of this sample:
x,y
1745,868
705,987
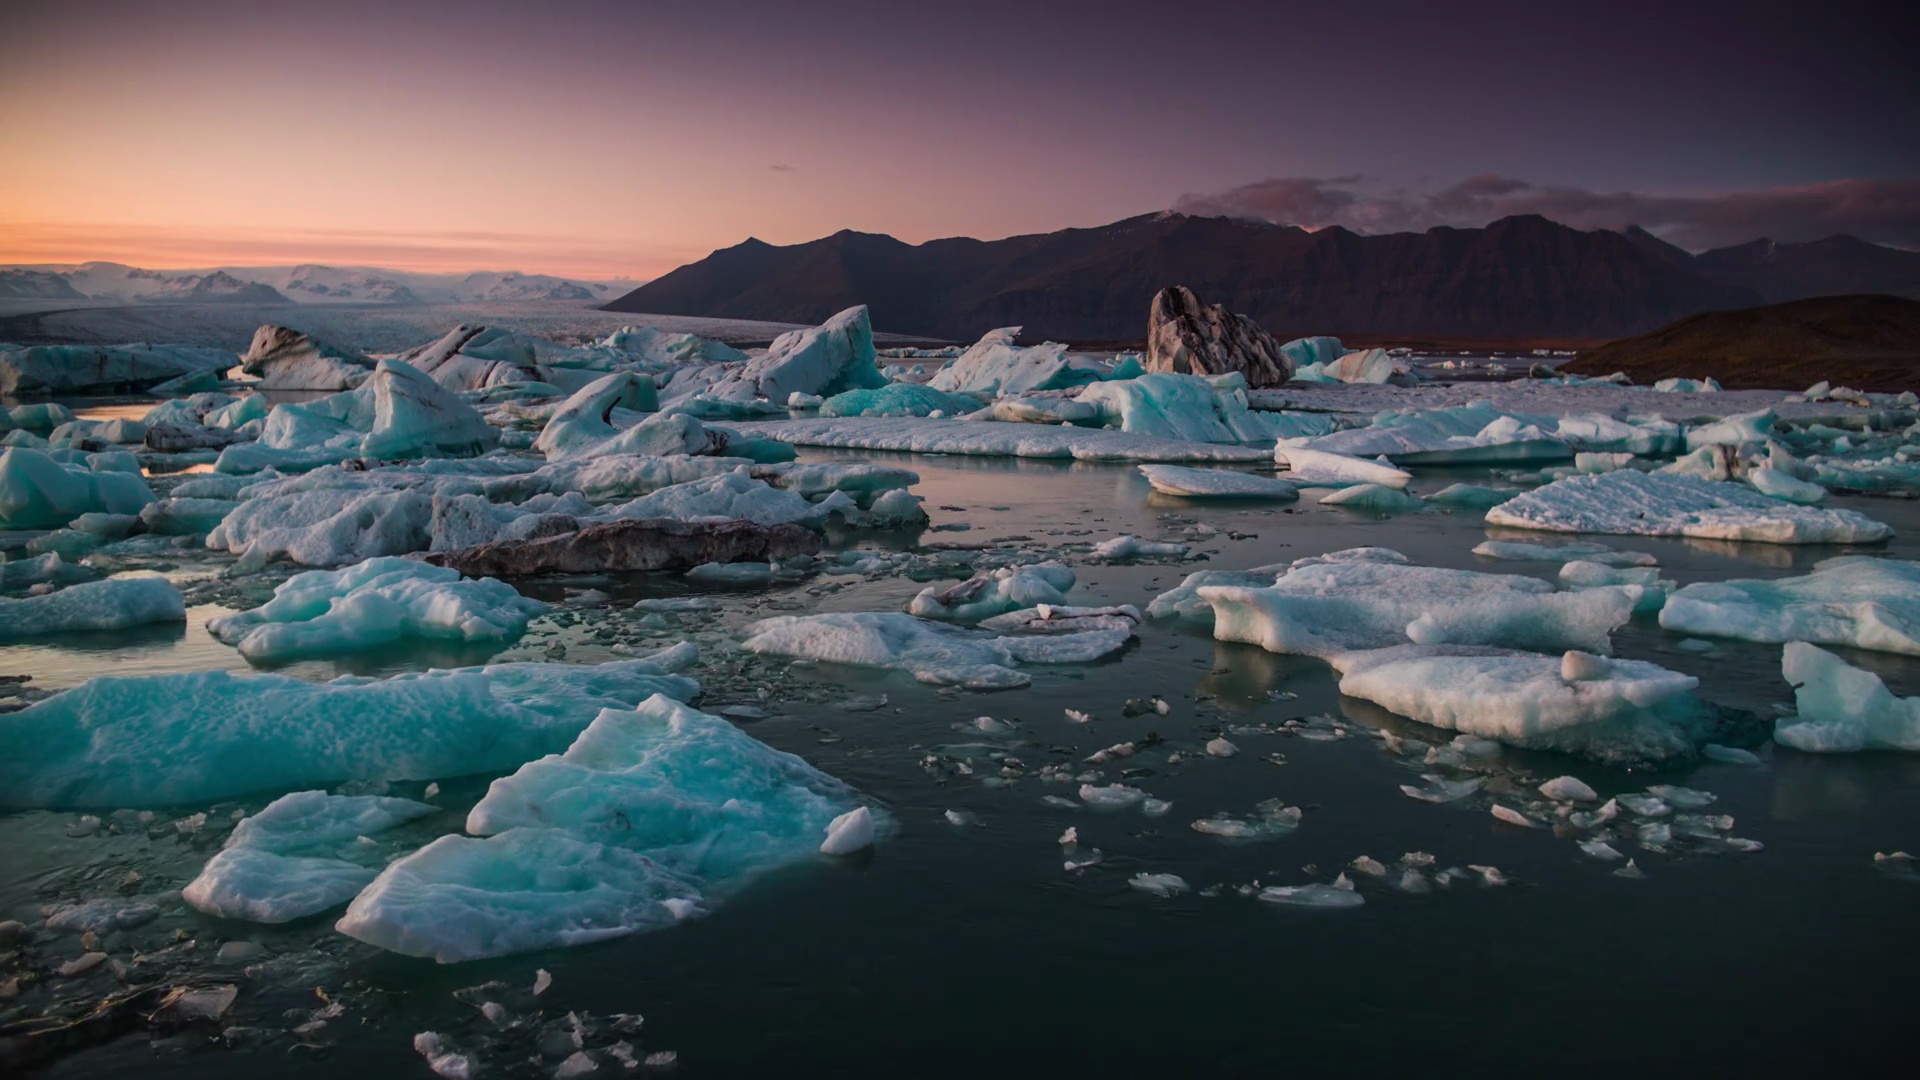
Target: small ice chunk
x,y
442,1058
962,817
1631,871
848,833
1684,797
1110,796
1220,747
1443,791
1569,789
1577,666
1729,755
1312,896
1161,885
1601,850
1070,838
1511,816
541,980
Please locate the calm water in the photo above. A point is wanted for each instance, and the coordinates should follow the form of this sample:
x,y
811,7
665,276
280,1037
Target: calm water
x,y
957,949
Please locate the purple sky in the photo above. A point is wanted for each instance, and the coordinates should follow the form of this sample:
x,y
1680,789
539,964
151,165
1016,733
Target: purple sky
x,y
609,138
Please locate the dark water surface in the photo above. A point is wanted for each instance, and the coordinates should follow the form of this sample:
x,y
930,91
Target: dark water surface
x,y
967,949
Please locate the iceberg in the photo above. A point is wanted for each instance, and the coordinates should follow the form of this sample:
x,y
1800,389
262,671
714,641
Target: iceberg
x,y
1842,709
897,399
994,365
1322,468
583,425
1184,601
1007,589
1471,496
1621,711
74,369
272,869
1313,351
932,652
286,359
1853,600
1653,589
326,526
1733,430
376,603
649,345
1655,504
395,413
986,438
1216,483
1372,497
1325,608
1475,434
667,802
39,492
113,604
163,740
835,356
1193,409
1781,485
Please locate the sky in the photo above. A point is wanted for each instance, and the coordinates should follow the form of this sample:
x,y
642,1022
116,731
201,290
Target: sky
x,y
607,139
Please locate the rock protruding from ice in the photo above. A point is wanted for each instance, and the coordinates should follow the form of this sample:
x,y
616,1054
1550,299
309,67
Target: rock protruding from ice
x,y
837,355
1654,504
1626,711
286,359
1842,709
1325,608
932,652
113,604
1852,600
633,544
374,604
160,740
1188,337
644,815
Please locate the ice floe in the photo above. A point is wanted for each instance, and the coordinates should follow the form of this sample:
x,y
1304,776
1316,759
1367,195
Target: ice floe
x,y
933,652
283,864
166,739
1217,483
1321,468
374,604
1652,504
995,365
1855,600
39,492
997,592
113,604
992,439
1842,709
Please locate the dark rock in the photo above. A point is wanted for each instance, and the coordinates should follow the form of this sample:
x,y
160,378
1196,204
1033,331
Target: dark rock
x,y
1188,337
643,544
167,438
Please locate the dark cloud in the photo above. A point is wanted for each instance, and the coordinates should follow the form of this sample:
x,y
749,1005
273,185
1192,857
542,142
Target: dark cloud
x,y
1884,211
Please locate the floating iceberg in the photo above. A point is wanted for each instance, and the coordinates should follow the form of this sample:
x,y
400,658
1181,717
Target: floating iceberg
x,y
1476,434
163,740
1654,504
395,413
113,604
1842,709
835,356
1587,550
71,369
933,652
1308,351
1329,607
996,366
897,399
376,603
1193,409
990,439
1626,711
1184,600
1006,589
1216,483
1321,468
620,833
652,346
1854,600
1372,497
326,526
277,865
38,492
1653,589
285,359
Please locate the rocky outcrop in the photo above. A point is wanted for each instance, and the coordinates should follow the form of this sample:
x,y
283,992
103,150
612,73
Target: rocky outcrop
x,y
1188,337
286,359
633,544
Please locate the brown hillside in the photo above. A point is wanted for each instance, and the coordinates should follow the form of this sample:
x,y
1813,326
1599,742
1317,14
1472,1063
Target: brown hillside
x,y
1866,342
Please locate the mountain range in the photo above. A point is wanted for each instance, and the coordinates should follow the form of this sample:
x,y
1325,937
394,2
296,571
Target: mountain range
x,y
1518,278
307,283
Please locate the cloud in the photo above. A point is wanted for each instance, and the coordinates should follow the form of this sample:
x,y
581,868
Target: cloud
x,y
784,168
1884,211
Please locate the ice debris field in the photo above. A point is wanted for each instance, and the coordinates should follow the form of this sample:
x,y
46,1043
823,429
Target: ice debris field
x,y
497,645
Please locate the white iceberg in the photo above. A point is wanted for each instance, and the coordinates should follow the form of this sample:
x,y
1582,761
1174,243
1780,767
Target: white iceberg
x,y
395,413
932,652
113,604
995,365
1625,711
373,604
1193,408
1854,600
1216,483
1842,709
1322,468
1326,608
1653,504
837,355
1476,434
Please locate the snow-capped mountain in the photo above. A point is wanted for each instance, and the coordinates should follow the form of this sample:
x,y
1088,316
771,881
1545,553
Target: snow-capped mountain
x,y
306,283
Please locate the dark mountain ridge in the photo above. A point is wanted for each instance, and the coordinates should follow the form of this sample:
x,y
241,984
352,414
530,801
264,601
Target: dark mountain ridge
x,y
1518,278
